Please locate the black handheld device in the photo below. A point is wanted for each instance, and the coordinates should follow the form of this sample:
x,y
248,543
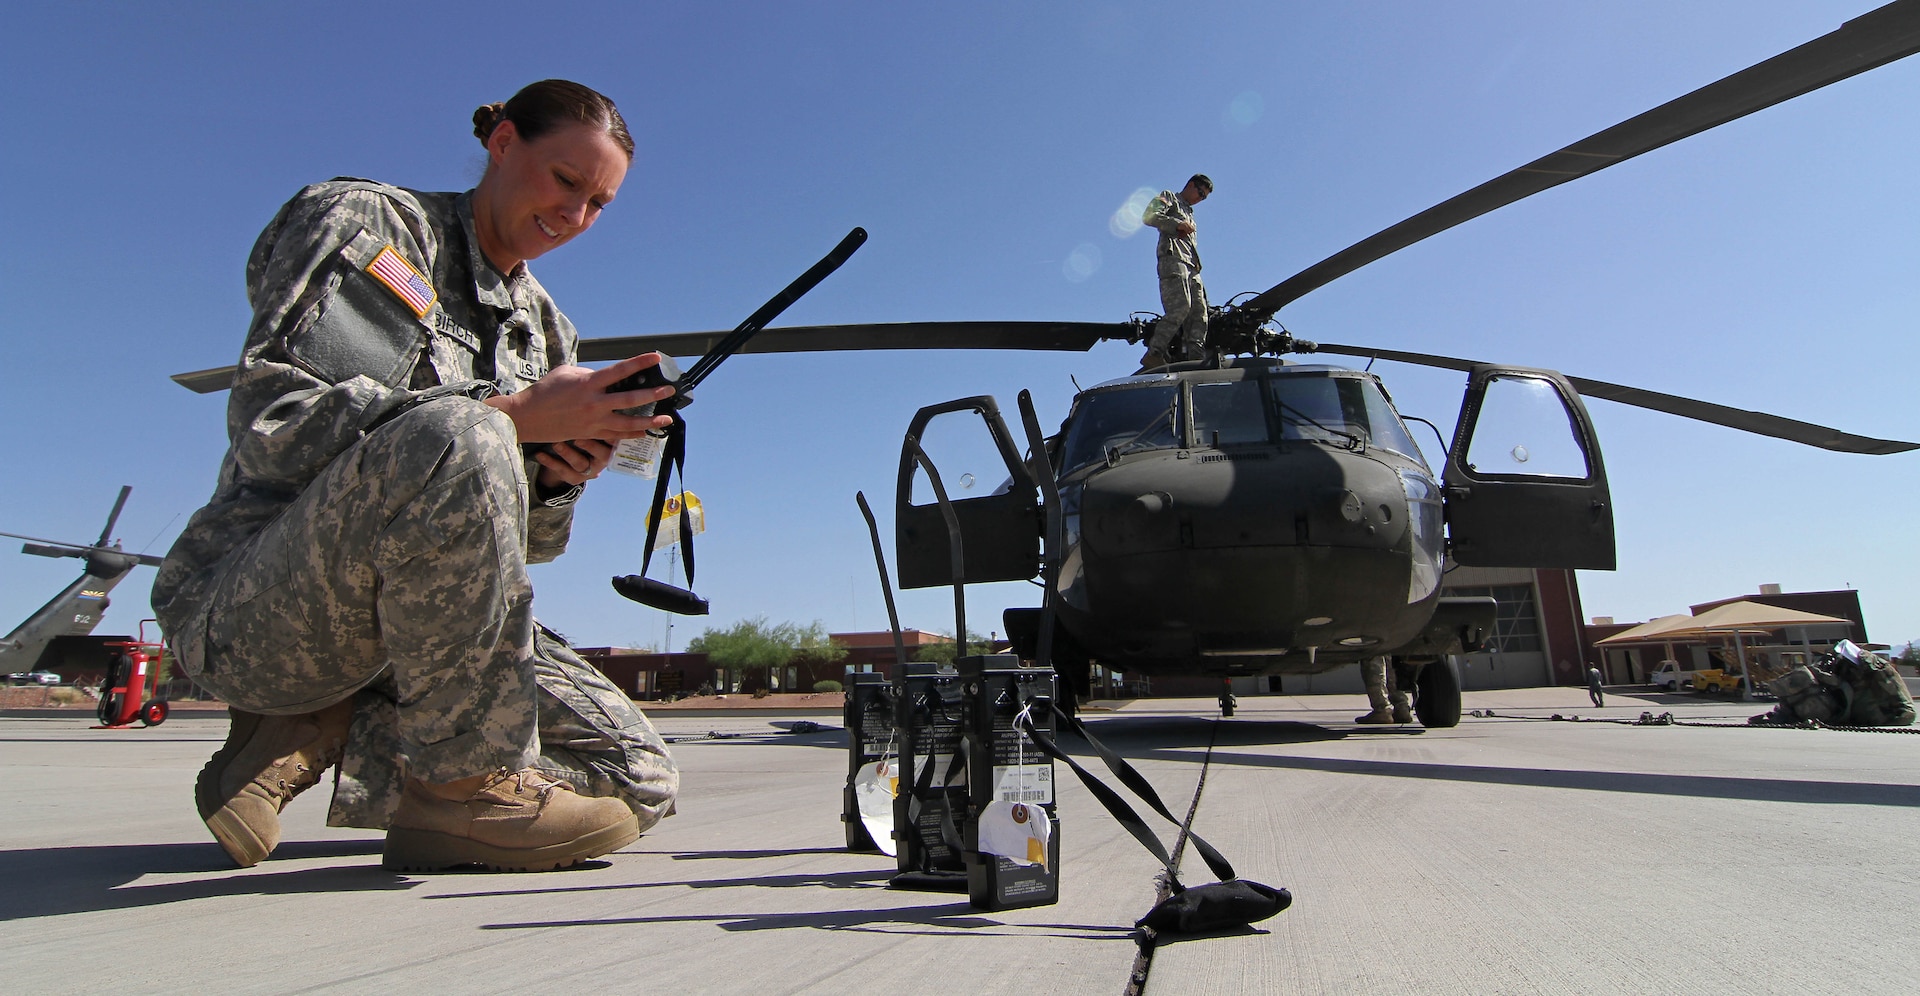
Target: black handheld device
x,y
664,374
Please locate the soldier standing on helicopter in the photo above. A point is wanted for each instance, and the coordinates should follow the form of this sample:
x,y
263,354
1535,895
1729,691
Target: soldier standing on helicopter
x,y
1183,300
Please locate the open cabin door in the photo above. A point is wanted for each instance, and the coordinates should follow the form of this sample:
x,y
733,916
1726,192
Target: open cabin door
x,y
1000,524
1525,486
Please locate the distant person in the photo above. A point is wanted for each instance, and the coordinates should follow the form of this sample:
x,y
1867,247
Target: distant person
x,y
1593,688
1183,299
407,432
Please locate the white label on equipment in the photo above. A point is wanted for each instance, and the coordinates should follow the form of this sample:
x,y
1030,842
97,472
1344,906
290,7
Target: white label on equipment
x,y
874,788
1023,783
639,456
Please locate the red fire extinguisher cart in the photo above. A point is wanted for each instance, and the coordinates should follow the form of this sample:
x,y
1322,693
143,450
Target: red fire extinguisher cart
x,y
126,696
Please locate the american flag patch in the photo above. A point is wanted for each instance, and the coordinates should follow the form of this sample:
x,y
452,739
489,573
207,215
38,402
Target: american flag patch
x,y
392,269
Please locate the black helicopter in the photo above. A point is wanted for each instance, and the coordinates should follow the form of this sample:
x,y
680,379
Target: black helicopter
x,y
78,608
1256,515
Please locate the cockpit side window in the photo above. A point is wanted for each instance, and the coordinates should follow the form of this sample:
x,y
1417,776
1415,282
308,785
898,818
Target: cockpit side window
x,y
1123,421
1388,430
1228,412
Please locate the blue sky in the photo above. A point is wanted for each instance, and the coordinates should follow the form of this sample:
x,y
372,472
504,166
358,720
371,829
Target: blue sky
x,y
1768,264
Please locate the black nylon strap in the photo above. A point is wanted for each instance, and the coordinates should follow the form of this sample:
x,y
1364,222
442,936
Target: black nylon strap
x,y
1132,779
1116,805
949,831
922,782
922,786
678,441
673,458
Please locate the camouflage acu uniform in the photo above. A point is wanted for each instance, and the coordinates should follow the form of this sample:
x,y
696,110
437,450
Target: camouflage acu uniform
x,y
1387,682
373,519
1183,299
1850,687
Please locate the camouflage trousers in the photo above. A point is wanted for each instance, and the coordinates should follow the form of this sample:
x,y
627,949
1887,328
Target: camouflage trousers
x,y
399,577
1183,309
1385,684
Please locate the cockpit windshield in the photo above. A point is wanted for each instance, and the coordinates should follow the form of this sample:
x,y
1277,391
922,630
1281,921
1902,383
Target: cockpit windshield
x,y
1135,418
1227,412
1345,411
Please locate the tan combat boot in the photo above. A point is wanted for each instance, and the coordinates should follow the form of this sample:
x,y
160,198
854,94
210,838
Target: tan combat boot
x,y
1378,717
1402,707
513,821
266,761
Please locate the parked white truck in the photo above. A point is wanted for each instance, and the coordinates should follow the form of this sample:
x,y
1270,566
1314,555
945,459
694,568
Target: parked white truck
x,y
1670,676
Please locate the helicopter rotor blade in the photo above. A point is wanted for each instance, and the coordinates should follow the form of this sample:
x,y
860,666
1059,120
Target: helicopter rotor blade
x,y
212,380
1064,336
44,545
54,548
43,550
1867,42
1075,337
1761,423
114,516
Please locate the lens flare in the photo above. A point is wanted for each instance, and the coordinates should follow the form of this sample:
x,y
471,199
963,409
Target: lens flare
x,y
1243,111
1126,218
1082,262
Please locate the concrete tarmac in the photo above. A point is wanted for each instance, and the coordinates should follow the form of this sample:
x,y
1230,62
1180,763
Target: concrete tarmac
x,y
1512,854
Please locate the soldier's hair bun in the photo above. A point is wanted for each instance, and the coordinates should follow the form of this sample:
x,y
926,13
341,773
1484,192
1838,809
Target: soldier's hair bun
x,y
541,107
487,117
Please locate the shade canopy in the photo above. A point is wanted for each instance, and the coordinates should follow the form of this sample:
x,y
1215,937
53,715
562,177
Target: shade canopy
x,y
1733,617
1651,631
1748,617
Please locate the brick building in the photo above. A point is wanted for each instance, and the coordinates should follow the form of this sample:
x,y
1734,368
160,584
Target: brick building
x,y
1789,646
647,675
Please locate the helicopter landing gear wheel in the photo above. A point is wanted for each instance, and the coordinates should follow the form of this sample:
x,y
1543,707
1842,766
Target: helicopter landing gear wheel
x,y
1437,696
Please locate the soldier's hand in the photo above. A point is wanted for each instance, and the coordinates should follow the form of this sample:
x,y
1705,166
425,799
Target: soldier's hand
x,y
1185,227
575,461
572,403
